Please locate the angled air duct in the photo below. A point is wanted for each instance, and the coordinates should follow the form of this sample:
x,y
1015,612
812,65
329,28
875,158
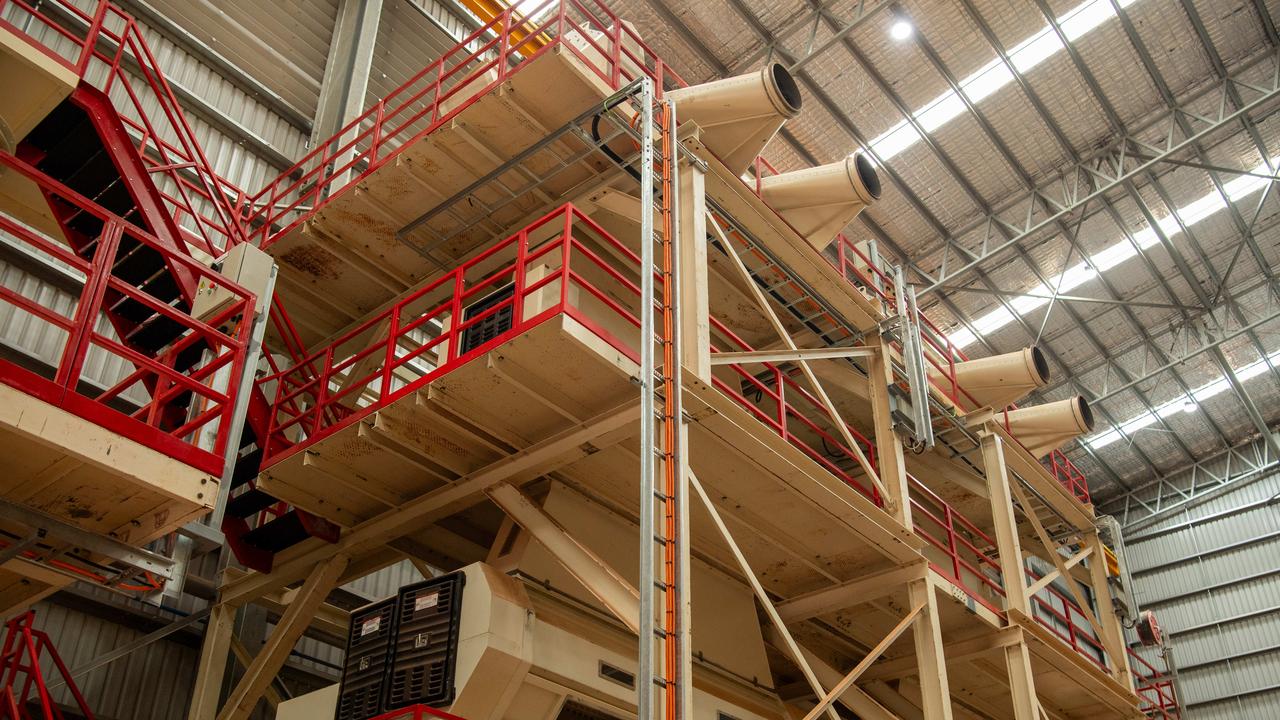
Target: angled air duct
x,y
996,382
739,115
819,202
1045,428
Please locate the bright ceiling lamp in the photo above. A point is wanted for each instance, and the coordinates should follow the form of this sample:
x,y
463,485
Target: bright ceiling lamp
x,y
1114,254
983,83
1177,405
901,29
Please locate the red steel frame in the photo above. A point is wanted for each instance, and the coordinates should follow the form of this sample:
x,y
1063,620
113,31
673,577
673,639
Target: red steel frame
x,y
147,424
480,62
20,663
110,51
1155,688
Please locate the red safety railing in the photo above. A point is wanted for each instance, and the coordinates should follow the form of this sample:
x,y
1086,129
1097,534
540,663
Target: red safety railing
x,y
25,691
549,267
791,411
1062,616
523,32
107,49
417,712
1154,687
942,355
969,557
165,378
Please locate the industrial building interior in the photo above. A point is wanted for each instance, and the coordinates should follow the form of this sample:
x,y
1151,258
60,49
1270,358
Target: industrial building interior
x,y
659,359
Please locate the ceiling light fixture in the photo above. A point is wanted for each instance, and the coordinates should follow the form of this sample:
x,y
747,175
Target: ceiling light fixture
x,y
1189,405
901,29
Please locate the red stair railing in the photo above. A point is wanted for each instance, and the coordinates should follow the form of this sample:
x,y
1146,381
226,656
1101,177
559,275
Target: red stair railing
x,y
107,49
158,377
1154,687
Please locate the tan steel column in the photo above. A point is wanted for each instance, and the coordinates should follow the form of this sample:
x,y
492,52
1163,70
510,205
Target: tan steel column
x,y
293,623
1017,656
935,689
893,472
695,305
214,651
1106,615
927,633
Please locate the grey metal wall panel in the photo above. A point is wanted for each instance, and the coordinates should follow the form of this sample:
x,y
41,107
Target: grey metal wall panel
x,y
150,685
1211,573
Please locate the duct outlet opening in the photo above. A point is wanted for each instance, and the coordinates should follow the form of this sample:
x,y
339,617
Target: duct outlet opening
x,y
1085,412
1040,364
868,176
786,86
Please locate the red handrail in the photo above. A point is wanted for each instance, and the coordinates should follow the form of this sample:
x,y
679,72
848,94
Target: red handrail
x,y
1154,687
165,375
107,49
968,551
792,412
546,266
481,61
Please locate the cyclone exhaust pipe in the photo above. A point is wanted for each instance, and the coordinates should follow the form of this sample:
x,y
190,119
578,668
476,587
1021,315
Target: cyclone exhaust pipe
x,y
996,382
819,202
1045,428
739,115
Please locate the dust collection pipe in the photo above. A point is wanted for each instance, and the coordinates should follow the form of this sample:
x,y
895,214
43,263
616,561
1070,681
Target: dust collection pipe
x,y
1045,428
998,381
819,202
739,115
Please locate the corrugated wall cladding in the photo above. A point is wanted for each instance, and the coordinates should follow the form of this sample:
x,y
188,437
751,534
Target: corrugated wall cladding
x,y
1211,573
151,685
154,683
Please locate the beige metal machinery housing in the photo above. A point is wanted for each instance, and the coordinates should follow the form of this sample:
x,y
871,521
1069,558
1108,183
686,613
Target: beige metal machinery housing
x,y
1045,428
739,115
998,381
819,202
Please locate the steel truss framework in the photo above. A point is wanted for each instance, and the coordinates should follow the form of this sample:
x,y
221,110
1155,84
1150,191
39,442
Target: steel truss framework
x,y
1212,477
1055,206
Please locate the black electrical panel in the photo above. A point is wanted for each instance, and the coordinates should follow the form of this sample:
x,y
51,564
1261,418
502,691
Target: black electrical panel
x,y
368,653
491,326
425,649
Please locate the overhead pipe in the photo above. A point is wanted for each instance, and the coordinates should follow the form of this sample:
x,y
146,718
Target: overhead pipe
x,y
819,202
998,381
1045,428
739,115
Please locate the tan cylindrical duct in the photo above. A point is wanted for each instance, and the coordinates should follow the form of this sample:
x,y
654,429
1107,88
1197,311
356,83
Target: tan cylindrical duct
x,y
739,115
1045,428
819,202
996,382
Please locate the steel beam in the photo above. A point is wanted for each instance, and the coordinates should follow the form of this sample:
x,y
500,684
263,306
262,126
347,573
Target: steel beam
x,y
346,70
1192,485
1109,169
96,544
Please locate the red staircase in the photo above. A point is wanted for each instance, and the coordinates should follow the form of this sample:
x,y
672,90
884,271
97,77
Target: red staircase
x,y
119,152
24,686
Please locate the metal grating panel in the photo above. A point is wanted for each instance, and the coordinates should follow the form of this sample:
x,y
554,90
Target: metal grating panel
x,y
426,642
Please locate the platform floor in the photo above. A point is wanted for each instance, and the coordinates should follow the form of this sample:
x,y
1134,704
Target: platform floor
x,y
346,260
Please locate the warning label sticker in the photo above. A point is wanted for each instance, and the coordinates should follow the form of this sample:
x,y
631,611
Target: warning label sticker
x,y
371,626
426,601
